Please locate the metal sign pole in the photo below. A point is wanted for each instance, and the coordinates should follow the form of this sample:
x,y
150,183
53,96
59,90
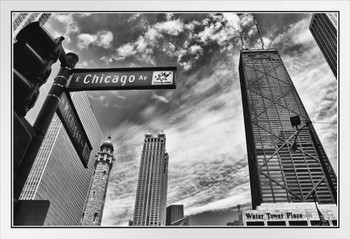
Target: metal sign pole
x,y
68,62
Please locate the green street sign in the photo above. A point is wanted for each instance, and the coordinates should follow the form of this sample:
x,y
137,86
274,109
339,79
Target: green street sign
x,y
123,79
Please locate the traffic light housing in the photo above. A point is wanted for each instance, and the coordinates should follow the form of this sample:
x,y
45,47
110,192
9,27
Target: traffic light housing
x,y
23,135
33,53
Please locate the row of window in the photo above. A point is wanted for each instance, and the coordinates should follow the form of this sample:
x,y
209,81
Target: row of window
x,y
294,223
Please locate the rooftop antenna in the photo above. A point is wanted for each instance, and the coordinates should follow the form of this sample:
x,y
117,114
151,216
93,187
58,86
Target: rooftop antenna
x,y
242,42
257,27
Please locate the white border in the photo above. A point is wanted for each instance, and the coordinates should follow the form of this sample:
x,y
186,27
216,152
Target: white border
x,y
145,233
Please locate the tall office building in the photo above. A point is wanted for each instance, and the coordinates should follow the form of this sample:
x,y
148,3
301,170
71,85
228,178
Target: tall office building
x,y
151,194
277,172
57,174
323,27
20,20
95,201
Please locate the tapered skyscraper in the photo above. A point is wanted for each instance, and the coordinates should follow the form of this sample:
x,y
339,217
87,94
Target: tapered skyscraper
x,y
151,194
323,27
277,172
95,201
58,175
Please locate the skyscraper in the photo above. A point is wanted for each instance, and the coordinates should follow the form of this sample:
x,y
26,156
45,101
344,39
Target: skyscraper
x,y
174,213
278,173
151,194
20,20
323,27
57,174
95,201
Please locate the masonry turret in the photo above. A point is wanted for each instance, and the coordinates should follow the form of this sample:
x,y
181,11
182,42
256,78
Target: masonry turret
x,y
92,215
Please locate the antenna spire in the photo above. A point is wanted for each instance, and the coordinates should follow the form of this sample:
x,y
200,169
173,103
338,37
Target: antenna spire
x,y
242,42
257,27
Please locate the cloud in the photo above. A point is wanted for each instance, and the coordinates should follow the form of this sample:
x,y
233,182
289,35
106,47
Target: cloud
x,y
101,39
106,60
160,98
70,26
121,97
170,27
84,40
125,51
86,63
104,39
106,100
216,31
201,189
84,14
143,47
181,40
297,34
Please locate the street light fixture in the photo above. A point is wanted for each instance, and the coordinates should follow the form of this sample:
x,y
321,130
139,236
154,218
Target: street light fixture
x,y
295,121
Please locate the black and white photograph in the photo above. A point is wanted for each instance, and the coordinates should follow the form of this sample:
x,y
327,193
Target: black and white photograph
x,y
134,122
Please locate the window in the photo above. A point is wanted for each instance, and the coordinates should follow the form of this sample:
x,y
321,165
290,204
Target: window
x,y
319,223
257,223
297,223
276,223
95,217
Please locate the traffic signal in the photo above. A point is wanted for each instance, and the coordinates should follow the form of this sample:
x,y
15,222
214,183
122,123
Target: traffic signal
x,y
34,53
23,135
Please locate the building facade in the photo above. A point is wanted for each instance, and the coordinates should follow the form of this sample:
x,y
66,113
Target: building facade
x,y
58,175
95,201
174,213
291,214
151,194
323,27
278,173
20,20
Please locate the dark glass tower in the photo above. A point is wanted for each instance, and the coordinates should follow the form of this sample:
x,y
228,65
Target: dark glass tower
x,y
323,27
174,213
278,173
151,194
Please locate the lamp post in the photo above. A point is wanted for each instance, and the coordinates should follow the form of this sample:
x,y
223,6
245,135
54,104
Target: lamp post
x,y
323,221
295,121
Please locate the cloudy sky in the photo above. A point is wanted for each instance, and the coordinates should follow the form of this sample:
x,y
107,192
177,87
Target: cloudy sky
x,y
202,118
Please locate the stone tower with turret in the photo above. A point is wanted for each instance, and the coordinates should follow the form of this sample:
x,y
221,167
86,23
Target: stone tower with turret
x,y
95,201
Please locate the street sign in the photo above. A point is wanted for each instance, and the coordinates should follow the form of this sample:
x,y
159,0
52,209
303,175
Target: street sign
x,y
123,79
70,119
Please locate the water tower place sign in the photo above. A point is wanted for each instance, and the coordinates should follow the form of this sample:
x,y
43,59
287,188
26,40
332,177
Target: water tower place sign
x,y
271,216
